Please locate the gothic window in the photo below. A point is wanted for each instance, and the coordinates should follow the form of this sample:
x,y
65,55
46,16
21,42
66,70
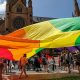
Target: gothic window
x,y
18,22
19,9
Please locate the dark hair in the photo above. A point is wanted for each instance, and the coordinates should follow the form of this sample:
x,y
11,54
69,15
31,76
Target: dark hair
x,y
24,55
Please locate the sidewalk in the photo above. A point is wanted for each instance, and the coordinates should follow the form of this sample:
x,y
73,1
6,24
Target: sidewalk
x,y
32,75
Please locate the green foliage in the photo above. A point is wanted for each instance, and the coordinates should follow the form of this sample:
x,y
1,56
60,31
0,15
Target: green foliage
x,y
68,78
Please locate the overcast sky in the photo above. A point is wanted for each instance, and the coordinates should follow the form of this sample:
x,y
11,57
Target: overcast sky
x,y
48,8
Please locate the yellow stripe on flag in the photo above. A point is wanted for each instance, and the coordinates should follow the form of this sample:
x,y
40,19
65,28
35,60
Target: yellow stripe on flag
x,y
40,31
60,40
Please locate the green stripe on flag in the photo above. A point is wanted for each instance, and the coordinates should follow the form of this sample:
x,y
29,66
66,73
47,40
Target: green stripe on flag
x,y
67,24
77,43
38,50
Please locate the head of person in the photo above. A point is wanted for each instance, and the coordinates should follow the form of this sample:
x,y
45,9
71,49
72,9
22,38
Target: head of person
x,y
66,51
78,52
24,55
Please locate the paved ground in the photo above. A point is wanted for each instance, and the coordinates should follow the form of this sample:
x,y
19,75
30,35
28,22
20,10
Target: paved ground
x,y
32,75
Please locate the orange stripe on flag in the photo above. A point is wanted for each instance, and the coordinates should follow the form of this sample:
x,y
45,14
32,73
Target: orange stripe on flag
x,y
18,33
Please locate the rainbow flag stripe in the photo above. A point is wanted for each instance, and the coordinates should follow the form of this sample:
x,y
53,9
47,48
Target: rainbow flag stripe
x,y
31,39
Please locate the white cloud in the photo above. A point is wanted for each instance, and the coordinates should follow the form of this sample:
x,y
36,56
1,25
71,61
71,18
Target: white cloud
x,y
2,7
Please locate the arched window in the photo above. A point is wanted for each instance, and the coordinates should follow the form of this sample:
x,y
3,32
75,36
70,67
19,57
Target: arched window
x,y
19,22
19,9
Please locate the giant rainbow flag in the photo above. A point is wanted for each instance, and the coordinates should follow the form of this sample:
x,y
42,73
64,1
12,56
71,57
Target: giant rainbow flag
x,y
31,39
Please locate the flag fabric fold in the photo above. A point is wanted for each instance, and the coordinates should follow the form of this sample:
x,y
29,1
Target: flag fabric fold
x,y
31,39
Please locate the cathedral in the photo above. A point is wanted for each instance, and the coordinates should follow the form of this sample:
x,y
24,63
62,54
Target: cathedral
x,y
19,13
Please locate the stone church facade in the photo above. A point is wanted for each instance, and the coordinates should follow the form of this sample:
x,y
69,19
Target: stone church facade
x,y
19,14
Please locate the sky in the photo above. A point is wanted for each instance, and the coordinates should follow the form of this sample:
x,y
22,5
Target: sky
x,y
48,8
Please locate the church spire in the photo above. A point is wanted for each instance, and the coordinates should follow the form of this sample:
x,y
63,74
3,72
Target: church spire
x,y
11,2
30,3
76,8
24,2
8,1
30,11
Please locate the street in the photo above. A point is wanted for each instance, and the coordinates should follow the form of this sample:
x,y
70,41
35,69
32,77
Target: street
x,y
32,75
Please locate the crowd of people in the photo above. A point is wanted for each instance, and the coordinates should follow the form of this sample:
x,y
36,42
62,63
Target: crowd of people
x,y
45,61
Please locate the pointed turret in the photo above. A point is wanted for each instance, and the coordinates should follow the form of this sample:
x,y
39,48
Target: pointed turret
x,y
24,2
76,8
30,11
30,3
11,2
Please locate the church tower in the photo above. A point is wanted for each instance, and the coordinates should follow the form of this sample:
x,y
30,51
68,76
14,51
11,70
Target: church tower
x,y
18,14
76,8
30,15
